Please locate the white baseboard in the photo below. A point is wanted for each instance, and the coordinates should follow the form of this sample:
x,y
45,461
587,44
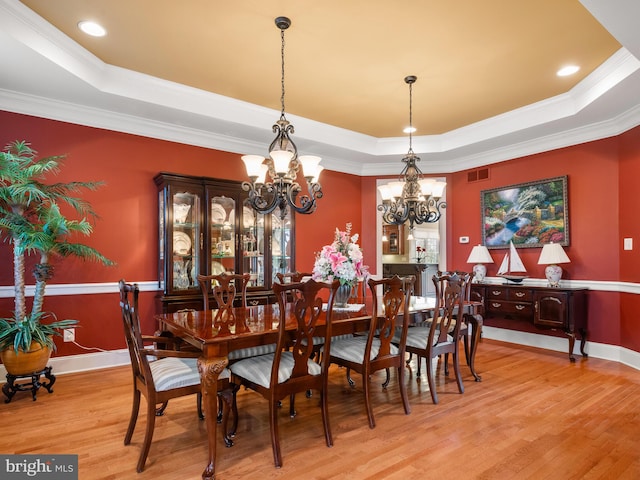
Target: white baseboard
x,y
114,358
558,344
85,362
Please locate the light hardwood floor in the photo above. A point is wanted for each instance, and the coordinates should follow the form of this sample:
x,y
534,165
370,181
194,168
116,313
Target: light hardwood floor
x,y
534,416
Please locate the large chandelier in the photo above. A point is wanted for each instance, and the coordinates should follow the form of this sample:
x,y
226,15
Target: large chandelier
x,y
282,165
411,198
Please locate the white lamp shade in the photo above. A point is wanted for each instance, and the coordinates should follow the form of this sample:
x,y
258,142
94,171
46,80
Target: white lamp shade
x,y
310,165
396,189
479,254
385,192
281,159
263,174
438,189
552,254
426,186
252,164
316,178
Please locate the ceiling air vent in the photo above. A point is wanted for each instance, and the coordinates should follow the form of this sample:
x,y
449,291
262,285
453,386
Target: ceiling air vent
x,y
477,175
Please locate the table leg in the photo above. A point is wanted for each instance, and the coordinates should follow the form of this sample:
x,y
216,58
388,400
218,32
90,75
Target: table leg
x,y
476,327
210,369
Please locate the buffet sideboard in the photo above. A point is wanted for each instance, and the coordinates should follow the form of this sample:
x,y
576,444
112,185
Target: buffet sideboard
x,y
545,308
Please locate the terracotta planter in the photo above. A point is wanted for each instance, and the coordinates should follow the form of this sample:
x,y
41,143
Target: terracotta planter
x,y
25,363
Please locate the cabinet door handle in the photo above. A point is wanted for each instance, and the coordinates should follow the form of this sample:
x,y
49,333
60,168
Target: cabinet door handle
x,y
496,292
254,302
520,294
496,305
520,307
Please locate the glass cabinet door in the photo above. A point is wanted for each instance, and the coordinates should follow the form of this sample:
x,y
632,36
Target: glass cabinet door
x,y
252,232
222,234
281,244
207,226
184,239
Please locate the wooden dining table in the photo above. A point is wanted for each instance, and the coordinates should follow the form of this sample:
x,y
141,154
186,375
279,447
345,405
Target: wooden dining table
x,y
258,325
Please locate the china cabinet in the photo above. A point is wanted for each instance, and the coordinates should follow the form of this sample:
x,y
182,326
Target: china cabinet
x,y
206,226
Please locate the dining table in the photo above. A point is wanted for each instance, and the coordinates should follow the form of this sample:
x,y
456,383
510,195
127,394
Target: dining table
x,y
217,335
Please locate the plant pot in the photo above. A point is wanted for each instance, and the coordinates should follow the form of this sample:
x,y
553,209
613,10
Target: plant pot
x,y
25,363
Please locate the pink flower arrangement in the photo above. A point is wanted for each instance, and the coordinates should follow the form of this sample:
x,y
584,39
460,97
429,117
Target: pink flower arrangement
x,y
342,260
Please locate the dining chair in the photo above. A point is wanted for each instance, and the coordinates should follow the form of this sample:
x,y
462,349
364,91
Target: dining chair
x,y
225,288
291,369
317,341
292,277
440,334
464,334
367,354
160,375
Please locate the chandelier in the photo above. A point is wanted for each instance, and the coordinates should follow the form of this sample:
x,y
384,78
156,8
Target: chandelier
x,y
411,198
282,165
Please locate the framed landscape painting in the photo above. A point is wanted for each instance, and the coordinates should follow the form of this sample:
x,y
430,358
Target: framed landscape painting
x,y
528,214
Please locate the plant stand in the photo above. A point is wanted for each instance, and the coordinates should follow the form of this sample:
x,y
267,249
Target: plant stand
x,y
11,387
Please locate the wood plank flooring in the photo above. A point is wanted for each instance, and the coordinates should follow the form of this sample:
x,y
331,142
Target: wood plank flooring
x,y
534,416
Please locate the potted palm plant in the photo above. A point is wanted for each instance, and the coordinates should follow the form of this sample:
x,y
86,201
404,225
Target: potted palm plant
x,y
32,222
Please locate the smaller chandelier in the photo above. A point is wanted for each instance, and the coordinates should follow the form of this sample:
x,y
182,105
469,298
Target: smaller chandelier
x,y
411,198
283,165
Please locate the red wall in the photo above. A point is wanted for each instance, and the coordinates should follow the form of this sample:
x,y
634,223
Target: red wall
x,y
593,199
127,229
629,228
602,210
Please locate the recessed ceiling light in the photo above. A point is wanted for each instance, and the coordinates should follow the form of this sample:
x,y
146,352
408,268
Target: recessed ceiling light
x,y
568,70
92,28
409,129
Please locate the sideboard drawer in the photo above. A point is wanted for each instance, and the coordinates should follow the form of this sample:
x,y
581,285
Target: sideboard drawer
x,y
520,309
520,294
497,292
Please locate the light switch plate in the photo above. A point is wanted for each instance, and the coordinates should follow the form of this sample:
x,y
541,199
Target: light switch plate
x,y
628,243
464,240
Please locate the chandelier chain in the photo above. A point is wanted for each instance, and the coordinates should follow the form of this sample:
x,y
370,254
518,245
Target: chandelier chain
x,y
411,117
282,72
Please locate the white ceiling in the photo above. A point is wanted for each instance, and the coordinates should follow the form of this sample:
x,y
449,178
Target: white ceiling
x,y
47,73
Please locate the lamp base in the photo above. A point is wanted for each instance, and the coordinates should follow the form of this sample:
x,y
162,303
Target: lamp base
x,y
480,272
553,274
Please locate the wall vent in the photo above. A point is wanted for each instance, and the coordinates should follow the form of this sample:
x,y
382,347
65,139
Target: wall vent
x,y
477,175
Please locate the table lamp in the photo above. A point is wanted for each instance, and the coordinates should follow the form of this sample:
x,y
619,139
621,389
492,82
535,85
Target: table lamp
x,y
552,254
479,255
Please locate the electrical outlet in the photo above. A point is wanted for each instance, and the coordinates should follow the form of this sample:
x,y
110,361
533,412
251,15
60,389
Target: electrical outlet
x,y
69,334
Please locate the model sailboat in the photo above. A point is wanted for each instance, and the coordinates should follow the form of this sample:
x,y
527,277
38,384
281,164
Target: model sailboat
x,y
512,267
